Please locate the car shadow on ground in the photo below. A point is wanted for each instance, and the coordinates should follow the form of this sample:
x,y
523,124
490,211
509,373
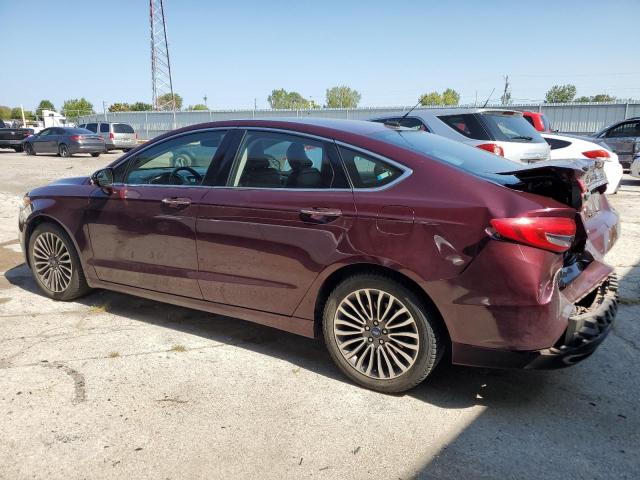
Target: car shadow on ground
x,y
447,387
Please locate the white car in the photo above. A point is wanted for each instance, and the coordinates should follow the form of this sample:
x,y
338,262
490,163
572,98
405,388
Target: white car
x,y
569,147
635,167
502,132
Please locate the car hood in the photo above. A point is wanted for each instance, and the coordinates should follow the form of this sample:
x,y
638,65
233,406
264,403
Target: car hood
x,y
71,181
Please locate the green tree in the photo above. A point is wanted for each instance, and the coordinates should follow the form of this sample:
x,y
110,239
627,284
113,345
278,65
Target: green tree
x,y
450,97
44,105
5,112
198,106
282,100
432,98
141,107
342,97
582,99
602,97
76,107
165,103
16,113
561,94
119,107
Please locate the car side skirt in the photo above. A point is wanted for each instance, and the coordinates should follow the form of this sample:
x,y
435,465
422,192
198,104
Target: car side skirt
x,y
299,326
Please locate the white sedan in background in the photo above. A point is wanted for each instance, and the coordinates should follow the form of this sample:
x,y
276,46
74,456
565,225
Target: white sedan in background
x,y
567,147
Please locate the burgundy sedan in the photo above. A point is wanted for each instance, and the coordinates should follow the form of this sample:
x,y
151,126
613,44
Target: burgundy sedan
x,y
394,244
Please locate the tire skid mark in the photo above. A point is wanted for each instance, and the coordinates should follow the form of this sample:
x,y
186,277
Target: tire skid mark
x,y
80,392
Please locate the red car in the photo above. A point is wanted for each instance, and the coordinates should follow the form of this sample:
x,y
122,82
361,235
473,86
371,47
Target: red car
x,y
394,244
539,121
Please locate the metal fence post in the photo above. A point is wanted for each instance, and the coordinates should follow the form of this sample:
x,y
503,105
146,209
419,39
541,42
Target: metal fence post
x,y
146,122
626,110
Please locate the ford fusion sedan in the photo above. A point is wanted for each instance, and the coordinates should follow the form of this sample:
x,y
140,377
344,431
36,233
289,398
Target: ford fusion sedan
x,y
395,245
64,142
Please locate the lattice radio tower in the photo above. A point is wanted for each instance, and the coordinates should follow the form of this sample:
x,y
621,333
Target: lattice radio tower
x,y
160,66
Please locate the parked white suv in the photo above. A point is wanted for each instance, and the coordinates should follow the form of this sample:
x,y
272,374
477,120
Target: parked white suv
x,y
503,132
116,135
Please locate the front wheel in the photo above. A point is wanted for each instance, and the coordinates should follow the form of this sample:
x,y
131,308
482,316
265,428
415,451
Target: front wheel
x,y
55,263
28,149
381,334
96,154
63,151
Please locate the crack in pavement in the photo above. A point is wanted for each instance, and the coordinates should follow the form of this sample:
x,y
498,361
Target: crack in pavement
x,y
629,342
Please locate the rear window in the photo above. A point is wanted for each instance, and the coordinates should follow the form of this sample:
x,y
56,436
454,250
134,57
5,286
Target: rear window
x,y
465,157
78,131
122,128
467,124
510,128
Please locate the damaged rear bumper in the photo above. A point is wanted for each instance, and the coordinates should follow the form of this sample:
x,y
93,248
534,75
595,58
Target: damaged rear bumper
x,y
590,324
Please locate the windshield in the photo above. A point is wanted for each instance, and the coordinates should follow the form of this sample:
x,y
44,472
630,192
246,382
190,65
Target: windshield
x,y
470,159
510,128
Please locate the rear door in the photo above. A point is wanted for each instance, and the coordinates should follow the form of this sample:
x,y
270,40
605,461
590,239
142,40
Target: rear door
x,y
143,232
271,224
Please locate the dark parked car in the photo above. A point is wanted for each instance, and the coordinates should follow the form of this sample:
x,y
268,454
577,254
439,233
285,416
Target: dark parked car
x,y
624,138
11,137
64,141
395,244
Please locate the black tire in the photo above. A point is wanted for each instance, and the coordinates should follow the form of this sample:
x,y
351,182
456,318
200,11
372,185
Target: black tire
x,y
430,338
125,150
18,149
63,151
28,149
77,284
96,154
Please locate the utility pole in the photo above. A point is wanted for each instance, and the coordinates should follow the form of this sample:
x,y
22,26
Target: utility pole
x,y
506,95
205,100
161,83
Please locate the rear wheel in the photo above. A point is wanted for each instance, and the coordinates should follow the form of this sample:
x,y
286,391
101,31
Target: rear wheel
x,y
28,149
96,154
55,263
63,151
381,334
125,150
18,149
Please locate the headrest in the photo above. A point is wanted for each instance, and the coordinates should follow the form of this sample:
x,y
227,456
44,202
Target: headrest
x,y
257,163
297,156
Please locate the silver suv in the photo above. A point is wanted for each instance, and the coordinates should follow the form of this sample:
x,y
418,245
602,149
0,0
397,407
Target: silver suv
x,y
624,138
503,132
117,136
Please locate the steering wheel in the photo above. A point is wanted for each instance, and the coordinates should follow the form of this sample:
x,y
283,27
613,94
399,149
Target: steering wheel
x,y
174,173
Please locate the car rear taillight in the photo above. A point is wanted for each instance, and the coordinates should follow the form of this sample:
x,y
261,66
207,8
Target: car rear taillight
x,y
111,136
555,234
75,138
492,148
597,154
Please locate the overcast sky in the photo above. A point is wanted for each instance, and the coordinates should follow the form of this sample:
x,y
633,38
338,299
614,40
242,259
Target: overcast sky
x,y
389,51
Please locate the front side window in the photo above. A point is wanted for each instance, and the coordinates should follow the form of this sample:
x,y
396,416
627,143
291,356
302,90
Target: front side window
x,y
45,132
104,128
277,160
182,160
366,171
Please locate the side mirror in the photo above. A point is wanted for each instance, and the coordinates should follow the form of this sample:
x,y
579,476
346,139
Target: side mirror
x,y
103,178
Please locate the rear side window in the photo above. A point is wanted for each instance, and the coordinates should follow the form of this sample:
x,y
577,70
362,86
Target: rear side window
x,y
510,128
467,124
554,143
92,126
104,128
122,128
366,171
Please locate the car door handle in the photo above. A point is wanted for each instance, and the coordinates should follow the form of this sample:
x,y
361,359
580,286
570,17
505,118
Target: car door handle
x,y
176,202
320,215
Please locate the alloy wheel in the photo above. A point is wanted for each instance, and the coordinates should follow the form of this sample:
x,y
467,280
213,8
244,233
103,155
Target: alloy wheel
x,y
376,334
52,262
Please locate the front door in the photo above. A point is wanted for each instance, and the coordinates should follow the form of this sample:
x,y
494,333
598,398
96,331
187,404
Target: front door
x,y
143,231
46,141
622,139
281,217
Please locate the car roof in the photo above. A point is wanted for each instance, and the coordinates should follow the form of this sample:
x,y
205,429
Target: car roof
x,y
339,129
